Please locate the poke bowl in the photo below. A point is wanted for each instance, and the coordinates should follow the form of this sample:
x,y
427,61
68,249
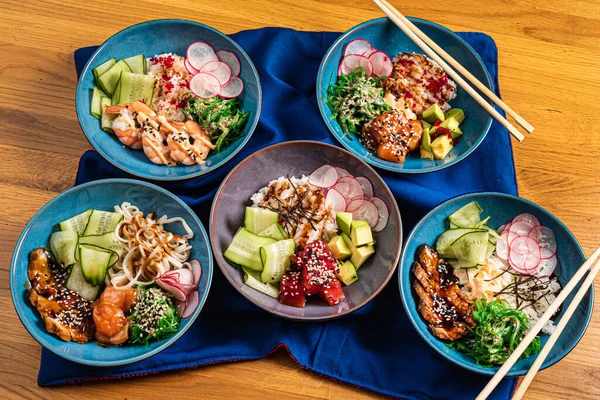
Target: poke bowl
x,y
168,99
391,105
306,239
477,273
111,272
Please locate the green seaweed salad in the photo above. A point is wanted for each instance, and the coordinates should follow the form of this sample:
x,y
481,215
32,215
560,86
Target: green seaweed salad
x,y
500,329
355,100
222,119
153,317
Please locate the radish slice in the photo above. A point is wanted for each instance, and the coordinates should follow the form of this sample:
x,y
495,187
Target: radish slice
x,y
545,238
231,60
180,307
353,61
530,218
200,53
502,249
364,210
183,276
205,85
546,266
357,46
232,89
176,292
324,177
525,254
369,52
342,172
366,185
518,229
384,214
196,271
337,201
192,304
219,70
382,65
189,68
350,188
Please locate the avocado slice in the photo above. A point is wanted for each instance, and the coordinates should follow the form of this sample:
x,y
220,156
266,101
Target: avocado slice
x,y
426,140
344,221
426,153
339,249
347,273
452,125
361,255
360,233
441,146
433,113
426,125
457,114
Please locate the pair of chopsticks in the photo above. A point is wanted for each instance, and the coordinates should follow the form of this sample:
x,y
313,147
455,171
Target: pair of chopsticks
x,y
593,260
428,46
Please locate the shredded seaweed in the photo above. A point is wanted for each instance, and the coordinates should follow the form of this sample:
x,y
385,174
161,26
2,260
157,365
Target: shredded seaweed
x,y
154,316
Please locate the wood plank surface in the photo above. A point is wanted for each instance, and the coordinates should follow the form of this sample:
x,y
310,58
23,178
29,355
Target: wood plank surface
x,y
549,58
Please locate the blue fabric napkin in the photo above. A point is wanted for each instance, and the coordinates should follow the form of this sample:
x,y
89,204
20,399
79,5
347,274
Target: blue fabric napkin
x,y
376,347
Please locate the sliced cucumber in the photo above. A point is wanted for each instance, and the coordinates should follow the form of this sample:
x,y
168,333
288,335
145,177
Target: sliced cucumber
x,y
63,246
76,224
463,265
467,215
252,279
102,222
494,236
490,249
274,231
258,219
276,259
102,68
107,241
137,64
471,247
244,249
114,100
96,107
106,120
77,283
135,87
482,222
108,80
94,263
445,240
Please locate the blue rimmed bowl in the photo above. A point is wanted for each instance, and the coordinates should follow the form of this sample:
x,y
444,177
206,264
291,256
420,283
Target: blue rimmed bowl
x,y
501,208
103,195
152,38
384,35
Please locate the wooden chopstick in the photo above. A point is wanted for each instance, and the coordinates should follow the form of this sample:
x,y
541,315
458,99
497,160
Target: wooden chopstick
x,y
391,13
455,64
514,357
564,320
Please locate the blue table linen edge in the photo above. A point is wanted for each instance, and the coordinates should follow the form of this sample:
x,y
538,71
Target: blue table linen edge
x,y
376,347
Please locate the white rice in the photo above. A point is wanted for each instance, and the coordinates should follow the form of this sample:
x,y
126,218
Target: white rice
x,y
172,83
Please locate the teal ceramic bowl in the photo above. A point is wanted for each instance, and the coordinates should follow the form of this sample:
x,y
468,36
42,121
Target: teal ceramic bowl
x,y
103,195
502,208
152,38
384,35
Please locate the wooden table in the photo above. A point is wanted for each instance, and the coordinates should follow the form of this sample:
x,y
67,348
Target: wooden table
x,y
549,58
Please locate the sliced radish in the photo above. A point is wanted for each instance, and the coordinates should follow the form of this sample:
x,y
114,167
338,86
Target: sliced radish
x,y
232,89
196,271
189,68
366,185
382,64
524,254
546,239
384,214
205,85
337,201
324,177
219,70
369,52
530,218
192,304
350,188
200,53
357,46
502,249
518,229
180,307
231,60
175,291
364,210
546,266
182,275
342,172
353,61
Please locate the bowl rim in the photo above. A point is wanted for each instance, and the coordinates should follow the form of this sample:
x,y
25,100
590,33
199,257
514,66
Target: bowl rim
x,y
222,263
86,71
40,336
375,162
430,339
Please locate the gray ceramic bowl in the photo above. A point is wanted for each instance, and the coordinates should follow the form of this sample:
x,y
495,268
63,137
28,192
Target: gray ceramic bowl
x,y
294,159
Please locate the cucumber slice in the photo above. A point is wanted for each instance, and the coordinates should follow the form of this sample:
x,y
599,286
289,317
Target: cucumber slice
x,y
463,265
258,219
445,240
76,224
137,64
252,279
114,100
102,222
244,249
274,231
107,241
494,236
490,249
467,215
77,283
108,80
96,106
276,259
136,87
94,263
102,68
471,247
63,246
106,120
482,222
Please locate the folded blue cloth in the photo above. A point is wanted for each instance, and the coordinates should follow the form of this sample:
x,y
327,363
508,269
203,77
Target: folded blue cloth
x,y
376,347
